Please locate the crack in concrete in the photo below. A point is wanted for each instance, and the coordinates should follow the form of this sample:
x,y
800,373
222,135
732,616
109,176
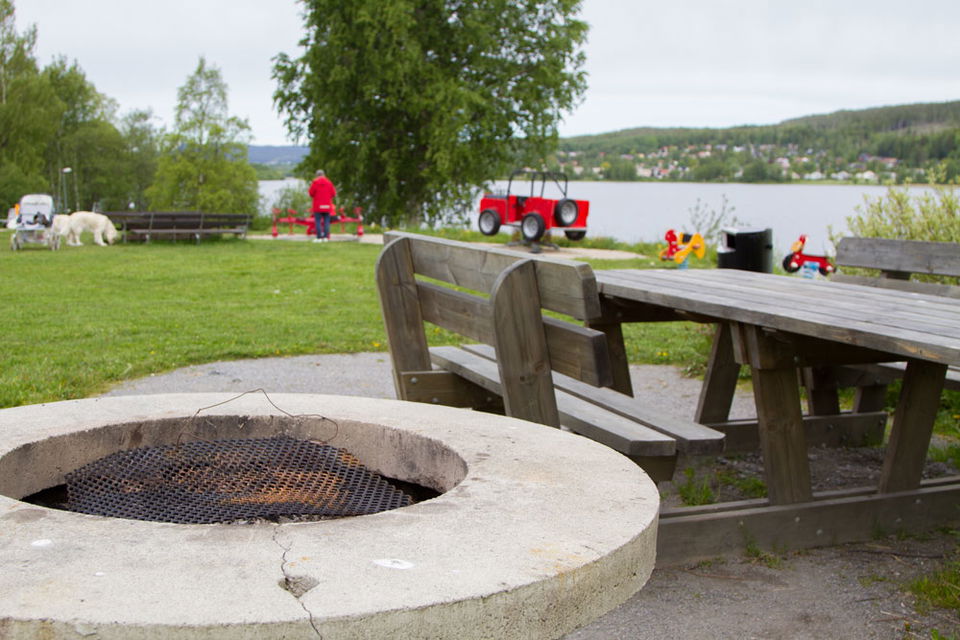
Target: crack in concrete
x,y
296,586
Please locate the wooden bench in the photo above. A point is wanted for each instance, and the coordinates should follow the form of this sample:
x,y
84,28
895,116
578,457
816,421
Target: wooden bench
x,y
145,225
539,368
897,261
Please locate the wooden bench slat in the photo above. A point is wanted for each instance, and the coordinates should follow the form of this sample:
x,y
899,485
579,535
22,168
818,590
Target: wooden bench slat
x,y
927,288
691,437
576,351
617,432
887,372
906,256
562,282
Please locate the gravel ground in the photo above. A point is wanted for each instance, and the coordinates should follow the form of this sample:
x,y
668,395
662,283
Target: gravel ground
x,y
849,591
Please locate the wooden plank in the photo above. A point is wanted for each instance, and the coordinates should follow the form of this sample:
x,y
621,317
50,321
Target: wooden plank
x,y
888,372
912,426
841,430
449,389
578,352
574,350
912,256
765,292
400,307
872,397
522,355
703,294
690,538
606,427
565,286
692,438
836,303
462,313
777,399
822,397
928,288
617,354
720,380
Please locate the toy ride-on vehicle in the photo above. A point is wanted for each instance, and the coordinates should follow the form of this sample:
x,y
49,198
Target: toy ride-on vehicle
x,y
681,245
34,221
536,213
794,260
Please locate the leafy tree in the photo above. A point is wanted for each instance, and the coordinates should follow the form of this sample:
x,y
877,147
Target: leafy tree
x,y
711,169
410,105
141,154
28,111
86,140
203,165
622,170
292,197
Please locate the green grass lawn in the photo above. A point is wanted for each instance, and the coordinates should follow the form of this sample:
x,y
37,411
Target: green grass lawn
x,y
82,318
79,319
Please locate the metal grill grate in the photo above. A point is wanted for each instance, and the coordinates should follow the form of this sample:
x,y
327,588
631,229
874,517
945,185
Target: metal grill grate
x,y
230,480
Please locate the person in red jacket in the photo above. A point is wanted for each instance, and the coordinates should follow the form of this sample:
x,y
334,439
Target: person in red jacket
x,y
322,192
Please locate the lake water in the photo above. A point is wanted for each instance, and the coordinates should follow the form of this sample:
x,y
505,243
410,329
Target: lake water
x,y
643,211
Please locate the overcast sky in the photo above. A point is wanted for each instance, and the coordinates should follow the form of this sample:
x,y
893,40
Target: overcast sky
x,y
711,63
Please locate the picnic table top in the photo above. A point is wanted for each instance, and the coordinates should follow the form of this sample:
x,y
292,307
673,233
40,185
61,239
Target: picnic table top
x,y
910,325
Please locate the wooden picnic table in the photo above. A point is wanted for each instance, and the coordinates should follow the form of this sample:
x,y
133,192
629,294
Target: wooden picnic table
x,y
775,324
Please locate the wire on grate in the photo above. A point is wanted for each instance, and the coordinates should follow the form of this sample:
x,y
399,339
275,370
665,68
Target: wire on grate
x,y
230,480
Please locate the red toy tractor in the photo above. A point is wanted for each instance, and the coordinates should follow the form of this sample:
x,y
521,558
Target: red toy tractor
x,y
796,259
535,214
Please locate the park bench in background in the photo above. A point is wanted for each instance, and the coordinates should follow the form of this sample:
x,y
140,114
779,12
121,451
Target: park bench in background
x,y
535,367
190,224
897,261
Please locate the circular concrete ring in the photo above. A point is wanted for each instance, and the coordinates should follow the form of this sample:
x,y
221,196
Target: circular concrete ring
x,y
537,532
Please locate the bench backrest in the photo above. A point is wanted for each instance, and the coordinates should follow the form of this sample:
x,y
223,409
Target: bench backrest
x,y
897,260
424,279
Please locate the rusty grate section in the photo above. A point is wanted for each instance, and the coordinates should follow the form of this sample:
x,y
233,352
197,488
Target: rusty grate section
x,y
230,480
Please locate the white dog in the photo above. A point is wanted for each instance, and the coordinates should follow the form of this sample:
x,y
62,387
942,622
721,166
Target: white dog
x,y
79,221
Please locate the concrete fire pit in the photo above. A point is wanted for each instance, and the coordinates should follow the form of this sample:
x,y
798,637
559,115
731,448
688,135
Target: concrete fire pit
x,y
536,532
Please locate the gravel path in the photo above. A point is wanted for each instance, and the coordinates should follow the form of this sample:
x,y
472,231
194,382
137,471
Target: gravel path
x,y
850,591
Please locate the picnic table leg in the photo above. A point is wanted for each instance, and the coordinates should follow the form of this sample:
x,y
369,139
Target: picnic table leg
x,y
720,381
618,355
822,396
912,426
776,392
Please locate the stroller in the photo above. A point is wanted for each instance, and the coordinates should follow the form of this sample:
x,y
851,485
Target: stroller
x,y
34,223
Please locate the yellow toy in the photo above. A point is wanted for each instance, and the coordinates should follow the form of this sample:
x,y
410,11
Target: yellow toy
x,y
679,247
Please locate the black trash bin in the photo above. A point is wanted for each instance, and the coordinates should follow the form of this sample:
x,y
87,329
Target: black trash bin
x,y
746,249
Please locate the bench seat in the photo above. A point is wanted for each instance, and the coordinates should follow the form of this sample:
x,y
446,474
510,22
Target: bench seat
x,y
691,437
655,452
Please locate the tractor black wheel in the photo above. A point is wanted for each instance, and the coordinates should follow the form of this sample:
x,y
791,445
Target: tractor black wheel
x,y
532,227
575,235
787,266
565,213
489,222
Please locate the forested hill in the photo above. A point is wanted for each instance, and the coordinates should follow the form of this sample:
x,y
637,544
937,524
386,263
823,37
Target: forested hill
x,y
905,140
